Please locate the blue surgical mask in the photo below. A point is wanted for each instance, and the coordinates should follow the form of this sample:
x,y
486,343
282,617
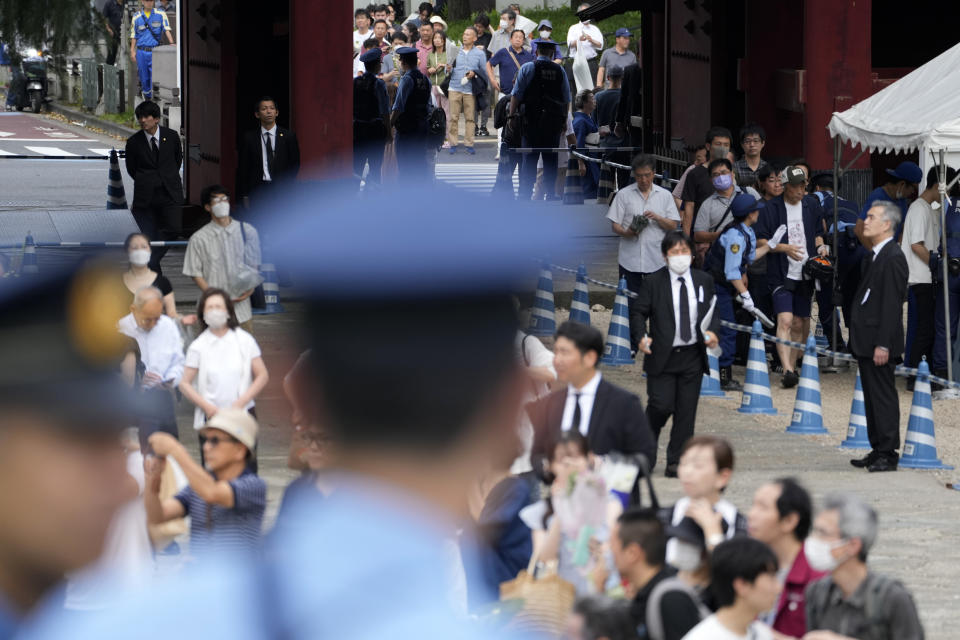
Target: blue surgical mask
x,y
723,181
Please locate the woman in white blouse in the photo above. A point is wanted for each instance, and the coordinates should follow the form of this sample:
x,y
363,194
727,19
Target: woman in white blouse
x,y
223,366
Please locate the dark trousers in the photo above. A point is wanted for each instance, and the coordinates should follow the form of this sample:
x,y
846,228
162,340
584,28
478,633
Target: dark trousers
x,y
728,336
634,280
163,415
763,299
113,46
925,308
826,310
162,219
940,324
412,168
368,146
675,391
882,405
509,162
528,171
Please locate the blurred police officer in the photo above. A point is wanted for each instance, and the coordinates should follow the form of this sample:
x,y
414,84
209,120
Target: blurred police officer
x,y
371,113
149,28
727,261
541,96
62,469
410,117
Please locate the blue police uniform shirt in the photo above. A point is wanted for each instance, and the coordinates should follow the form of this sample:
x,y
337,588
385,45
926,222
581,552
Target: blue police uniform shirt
x,y
508,70
525,76
8,621
404,87
734,261
148,32
380,89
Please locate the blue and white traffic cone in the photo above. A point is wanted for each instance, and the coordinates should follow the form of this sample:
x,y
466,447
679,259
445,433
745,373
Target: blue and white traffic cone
x,y
542,319
920,445
28,264
580,305
808,410
116,196
821,337
756,387
617,349
271,290
572,189
857,429
710,384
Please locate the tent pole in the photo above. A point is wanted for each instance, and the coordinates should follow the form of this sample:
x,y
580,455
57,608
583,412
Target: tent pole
x,y
834,297
945,261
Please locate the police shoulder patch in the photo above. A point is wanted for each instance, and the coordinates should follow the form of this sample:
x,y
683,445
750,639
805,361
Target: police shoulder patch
x,y
734,248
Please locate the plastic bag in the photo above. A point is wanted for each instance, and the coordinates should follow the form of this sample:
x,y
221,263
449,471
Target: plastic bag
x,y
581,71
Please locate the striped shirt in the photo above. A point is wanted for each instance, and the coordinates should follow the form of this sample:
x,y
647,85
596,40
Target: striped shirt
x,y
215,252
217,528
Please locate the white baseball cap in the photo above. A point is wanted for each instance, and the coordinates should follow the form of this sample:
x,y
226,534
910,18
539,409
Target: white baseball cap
x,y
238,423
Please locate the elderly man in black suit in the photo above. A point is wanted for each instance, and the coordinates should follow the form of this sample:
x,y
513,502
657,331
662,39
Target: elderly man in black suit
x,y
269,154
676,299
611,418
153,158
876,334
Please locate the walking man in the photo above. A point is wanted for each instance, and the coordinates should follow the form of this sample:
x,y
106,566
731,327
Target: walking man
x,y
876,334
149,28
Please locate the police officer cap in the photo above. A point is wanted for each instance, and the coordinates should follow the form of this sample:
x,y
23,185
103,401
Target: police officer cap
x,y
743,205
60,350
372,55
623,32
546,41
406,51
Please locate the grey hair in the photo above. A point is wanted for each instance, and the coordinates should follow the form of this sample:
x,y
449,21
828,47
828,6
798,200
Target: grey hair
x,y
855,519
145,295
581,99
891,213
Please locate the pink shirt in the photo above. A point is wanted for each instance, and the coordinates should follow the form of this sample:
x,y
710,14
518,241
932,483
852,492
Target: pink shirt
x,y
791,609
423,53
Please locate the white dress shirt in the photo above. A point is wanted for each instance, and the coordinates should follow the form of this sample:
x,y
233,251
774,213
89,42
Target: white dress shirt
x,y
263,146
161,348
692,299
877,247
155,136
587,395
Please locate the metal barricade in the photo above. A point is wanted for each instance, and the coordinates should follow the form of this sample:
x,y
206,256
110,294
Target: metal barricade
x,y
111,88
89,89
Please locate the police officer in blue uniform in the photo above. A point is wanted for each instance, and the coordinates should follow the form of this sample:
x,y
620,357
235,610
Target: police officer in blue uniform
x,y
727,261
149,28
541,98
411,117
371,113
951,235
849,253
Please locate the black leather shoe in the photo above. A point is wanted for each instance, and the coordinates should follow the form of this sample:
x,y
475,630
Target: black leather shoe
x,y
790,379
884,463
866,461
670,471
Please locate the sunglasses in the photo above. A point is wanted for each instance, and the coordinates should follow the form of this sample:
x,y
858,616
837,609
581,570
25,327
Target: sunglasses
x,y
215,440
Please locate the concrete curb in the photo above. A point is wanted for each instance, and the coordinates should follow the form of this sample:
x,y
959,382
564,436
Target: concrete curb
x,y
90,119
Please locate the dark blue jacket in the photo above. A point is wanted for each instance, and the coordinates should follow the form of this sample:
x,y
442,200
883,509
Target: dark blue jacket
x,y
505,543
775,214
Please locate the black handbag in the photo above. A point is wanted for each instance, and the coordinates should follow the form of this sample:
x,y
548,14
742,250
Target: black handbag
x,y
445,85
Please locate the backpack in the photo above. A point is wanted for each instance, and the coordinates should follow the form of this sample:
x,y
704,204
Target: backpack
x,y
875,602
500,112
438,123
654,619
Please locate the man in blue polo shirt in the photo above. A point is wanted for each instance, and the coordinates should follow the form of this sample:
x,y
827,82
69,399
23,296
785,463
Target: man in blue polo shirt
x,y
901,183
148,30
508,60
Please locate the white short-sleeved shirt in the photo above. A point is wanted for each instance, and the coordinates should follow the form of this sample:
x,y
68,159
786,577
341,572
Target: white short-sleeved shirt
x,y
796,237
223,365
642,254
921,225
579,29
711,629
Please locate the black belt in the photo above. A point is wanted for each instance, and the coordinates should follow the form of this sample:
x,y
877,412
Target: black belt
x,y
686,347
145,48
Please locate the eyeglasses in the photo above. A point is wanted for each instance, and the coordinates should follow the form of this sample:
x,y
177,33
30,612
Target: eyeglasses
x,y
215,440
752,141
219,199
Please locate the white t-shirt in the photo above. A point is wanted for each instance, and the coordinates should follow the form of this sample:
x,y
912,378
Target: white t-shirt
x,y
573,39
224,368
530,350
641,254
797,237
711,629
359,39
921,225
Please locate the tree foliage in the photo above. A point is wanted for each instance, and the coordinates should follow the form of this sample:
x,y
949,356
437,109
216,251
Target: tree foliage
x,y
54,26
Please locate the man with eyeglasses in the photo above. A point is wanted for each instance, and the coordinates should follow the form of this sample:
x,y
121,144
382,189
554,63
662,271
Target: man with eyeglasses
x,y
226,500
752,138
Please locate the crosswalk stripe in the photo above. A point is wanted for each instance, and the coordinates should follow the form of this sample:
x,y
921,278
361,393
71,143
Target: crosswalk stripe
x,y
6,153
470,177
100,152
51,151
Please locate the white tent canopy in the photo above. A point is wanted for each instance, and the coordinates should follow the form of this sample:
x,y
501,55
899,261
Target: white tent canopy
x,y
919,111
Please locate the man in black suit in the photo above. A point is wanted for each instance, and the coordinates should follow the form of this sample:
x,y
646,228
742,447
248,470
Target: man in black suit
x,y
611,418
153,158
676,300
876,334
269,154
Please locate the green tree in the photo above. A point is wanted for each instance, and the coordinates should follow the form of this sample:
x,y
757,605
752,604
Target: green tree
x,y
54,26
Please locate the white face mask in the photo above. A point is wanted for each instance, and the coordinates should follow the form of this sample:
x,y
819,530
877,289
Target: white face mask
x,y
545,34
221,209
818,553
679,264
682,555
215,318
139,257
504,24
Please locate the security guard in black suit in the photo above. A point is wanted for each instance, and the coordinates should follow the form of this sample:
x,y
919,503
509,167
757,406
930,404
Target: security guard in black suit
x,y
371,112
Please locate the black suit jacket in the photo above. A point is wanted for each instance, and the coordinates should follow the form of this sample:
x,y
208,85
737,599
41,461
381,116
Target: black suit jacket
x,y
656,304
877,321
617,423
286,162
148,174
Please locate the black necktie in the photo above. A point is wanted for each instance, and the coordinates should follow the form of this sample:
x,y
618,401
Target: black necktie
x,y
156,149
684,311
270,154
575,425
